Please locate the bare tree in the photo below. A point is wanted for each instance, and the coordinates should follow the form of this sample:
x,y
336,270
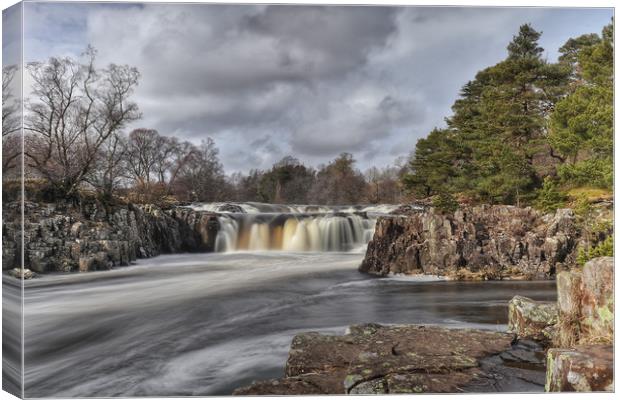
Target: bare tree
x,y
11,143
142,149
109,169
74,110
201,177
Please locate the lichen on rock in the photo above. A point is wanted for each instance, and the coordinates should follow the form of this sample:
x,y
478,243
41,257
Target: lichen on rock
x,y
530,319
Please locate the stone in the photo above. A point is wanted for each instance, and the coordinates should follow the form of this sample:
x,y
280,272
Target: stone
x,y
568,286
586,304
586,368
76,228
21,273
376,359
597,300
528,318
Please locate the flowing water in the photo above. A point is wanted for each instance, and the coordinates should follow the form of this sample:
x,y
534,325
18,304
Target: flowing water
x,y
204,324
257,226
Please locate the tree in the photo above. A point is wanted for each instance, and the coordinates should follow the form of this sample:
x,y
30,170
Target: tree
x,y
143,147
247,188
581,126
110,166
339,182
11,143
432,165
200,175
73,110
383,185
288,181
496,137
524,45
549,198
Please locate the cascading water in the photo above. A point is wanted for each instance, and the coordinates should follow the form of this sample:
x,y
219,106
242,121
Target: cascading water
x,y
257,226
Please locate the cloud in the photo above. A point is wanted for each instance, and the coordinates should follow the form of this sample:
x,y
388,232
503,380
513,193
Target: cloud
x,y
311,81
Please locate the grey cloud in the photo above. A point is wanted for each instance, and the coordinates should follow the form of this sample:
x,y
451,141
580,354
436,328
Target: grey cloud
x,y
267,81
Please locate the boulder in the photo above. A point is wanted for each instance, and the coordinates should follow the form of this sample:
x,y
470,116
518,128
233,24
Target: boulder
x,y
597,300
530,319
376,359
20,273
586,304
585,368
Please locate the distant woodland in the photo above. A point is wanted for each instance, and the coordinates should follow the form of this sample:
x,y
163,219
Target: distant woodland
x,y
524,131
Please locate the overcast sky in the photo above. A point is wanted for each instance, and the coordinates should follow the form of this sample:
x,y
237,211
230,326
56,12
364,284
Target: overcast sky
x,y
268,81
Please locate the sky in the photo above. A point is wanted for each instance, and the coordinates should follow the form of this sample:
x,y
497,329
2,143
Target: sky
x,y
269,81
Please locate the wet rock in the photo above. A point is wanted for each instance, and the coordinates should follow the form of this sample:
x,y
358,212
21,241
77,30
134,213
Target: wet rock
x,y
528,318
586,368
20,273
376,359
482,242
231,208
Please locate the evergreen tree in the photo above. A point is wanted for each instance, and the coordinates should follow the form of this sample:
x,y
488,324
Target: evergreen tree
x,y
522,120
581,127
432,165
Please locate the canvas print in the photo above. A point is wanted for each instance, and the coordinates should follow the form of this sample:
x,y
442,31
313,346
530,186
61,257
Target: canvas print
x,y
255,199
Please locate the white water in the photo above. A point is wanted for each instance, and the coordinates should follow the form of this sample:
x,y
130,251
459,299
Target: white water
x,y
260,208
262,227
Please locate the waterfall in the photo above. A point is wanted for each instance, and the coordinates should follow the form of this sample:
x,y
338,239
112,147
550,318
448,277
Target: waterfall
x,y
293,232
261,227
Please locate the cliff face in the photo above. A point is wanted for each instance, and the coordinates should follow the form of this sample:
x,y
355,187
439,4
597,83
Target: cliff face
x,y
60,237
487,242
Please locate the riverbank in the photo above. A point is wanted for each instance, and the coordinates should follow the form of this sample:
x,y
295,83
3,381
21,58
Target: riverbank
x,y
477,243
60,237
473,243
380,359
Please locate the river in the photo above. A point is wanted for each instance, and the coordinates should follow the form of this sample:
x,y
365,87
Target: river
x,y
205,324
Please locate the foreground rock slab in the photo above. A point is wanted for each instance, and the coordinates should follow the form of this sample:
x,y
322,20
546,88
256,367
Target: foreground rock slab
x,y
376,359
585,368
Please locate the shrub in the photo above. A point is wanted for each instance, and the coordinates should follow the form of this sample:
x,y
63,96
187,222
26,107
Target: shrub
x,y
601,249
549,198
597,172
445,202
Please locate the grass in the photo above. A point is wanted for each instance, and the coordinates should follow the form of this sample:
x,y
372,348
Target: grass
x,y
590,193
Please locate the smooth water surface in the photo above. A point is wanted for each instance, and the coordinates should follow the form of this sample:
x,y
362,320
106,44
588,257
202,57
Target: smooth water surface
x,y
204,324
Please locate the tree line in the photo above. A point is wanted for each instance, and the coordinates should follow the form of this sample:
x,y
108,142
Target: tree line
x,y
525,131
75,142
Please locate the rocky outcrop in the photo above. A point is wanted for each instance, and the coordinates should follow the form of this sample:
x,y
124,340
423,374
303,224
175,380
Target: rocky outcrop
x,y
375,359
530,319
484,242
585,368
586,304
582,336
64,238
